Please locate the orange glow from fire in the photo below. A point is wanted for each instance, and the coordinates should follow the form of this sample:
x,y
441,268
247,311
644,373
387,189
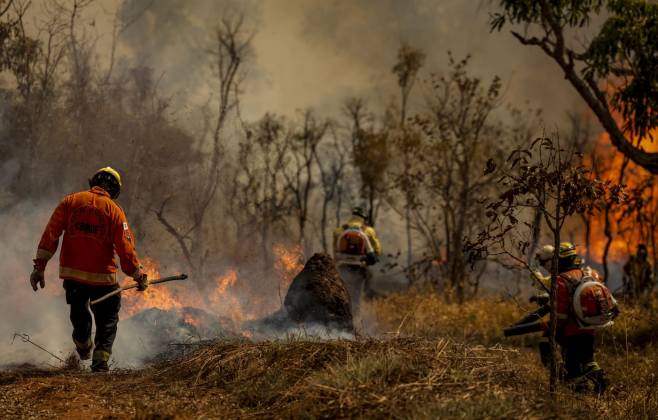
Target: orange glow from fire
x,y
289,262
225,296
231,299
153,297
190,319
627,232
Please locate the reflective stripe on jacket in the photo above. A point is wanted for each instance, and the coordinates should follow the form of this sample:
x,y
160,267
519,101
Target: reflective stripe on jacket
x,y
94,228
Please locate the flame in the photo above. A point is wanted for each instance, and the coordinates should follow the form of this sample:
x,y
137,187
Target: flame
x,y
153,297
229,298
223,284
224,298
626,231
190,319
289,262
170,297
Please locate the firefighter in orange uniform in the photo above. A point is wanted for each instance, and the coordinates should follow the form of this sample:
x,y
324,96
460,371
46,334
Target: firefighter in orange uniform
x,y
356,247
575,340
94,228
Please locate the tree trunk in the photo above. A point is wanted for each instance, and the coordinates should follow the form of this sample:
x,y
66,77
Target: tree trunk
x,y
553,366
536,234
409,239
597,102
607,230
608,225
323,225
587,221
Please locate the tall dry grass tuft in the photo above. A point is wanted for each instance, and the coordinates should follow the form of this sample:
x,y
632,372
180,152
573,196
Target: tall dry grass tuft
x,y
425,314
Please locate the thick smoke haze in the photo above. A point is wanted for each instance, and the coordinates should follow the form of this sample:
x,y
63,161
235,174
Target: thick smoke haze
x,y
304,54
309,54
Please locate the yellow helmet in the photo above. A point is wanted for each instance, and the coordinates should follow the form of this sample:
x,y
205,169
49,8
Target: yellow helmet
x,y
545,253
567,249
109,179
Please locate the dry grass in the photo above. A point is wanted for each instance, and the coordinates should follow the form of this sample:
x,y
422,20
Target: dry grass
x,y
423,314
628,351
374,378
443,361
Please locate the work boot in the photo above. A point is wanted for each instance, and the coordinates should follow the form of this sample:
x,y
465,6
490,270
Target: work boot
x,y
83,349
99,366
591,380
595,375
99,361
83,354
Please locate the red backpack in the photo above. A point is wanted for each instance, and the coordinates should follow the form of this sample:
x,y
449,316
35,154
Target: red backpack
x,y
592,303
353,241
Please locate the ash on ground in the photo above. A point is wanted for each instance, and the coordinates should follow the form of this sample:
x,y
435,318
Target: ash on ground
x,y
151,333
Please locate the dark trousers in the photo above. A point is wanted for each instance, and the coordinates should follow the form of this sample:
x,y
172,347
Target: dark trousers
x,y
106,315
578,353
357,281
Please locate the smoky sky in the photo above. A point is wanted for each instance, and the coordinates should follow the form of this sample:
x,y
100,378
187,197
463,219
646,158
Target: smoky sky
x,y
315,54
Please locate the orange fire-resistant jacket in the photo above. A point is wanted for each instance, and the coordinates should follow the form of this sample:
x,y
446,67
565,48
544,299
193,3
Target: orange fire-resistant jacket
x,y
567,323
94,228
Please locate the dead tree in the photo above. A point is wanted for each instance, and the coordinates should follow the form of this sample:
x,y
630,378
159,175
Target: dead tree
x,y
300,172
34,61
259,197
371,155
410,61
459,134
231,50
333,167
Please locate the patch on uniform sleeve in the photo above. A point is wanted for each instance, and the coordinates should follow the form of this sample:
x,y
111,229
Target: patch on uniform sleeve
x,y
126,231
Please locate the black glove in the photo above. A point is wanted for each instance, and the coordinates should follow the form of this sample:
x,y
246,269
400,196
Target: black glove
x,y
37,277
371,259
540,299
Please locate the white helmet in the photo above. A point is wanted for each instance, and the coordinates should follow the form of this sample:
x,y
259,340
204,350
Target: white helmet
x,y
545,254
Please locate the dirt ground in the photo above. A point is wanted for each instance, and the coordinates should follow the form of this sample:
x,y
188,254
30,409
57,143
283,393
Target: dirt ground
x,y
33,393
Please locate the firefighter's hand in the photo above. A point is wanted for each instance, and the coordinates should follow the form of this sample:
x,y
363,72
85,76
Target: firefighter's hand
x,y
371,259
142,282
37,277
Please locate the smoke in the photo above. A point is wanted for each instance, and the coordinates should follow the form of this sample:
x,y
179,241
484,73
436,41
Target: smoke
x,y
43,315
40,314
305,54
310,54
